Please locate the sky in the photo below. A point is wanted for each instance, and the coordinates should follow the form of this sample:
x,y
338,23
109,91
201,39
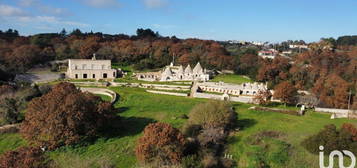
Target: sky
x,y
247,20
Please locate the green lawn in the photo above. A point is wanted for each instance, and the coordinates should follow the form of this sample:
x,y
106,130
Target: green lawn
x,y
138,108
104,97
231,78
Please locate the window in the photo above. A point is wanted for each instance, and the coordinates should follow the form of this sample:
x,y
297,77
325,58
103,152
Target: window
x,y
84,66
84,76
114,74
92,66
76,76
105,75
93,76
75,67
103,66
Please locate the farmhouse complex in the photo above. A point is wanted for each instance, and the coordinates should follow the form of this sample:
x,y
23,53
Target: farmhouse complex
x,y
90,69
176,73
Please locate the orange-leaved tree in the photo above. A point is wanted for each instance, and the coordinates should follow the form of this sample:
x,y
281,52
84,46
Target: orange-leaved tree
x,y
64,116
161,144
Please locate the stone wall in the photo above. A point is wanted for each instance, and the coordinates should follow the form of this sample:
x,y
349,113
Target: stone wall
x,y
13,128
242,99
340,113
101,91
168,93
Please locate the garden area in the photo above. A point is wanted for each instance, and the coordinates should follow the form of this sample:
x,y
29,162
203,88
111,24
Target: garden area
x,y
231,78
264,139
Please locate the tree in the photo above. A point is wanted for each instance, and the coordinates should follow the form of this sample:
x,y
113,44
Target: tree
x,y
10,110
23,57
161,144
213,114
286,92
144,33
63,33
24,157
64,116
263,97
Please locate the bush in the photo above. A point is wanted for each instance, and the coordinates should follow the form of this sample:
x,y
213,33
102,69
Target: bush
x,y
65,116
213,114
191,161
332,139
161,145
210,161
24,157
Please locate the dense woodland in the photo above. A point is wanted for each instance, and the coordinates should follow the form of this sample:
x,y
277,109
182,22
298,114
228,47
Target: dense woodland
x,y
328,72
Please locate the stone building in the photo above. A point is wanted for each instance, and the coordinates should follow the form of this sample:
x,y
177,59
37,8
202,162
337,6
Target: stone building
x,y
176,73
90,69
247,89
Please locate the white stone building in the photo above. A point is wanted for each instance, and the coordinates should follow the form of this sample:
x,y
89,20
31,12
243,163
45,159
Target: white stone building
x,y
176,73
247,89
90,69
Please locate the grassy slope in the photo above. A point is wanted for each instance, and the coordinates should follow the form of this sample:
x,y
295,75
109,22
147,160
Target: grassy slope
x,y
231,78
10,142
295,128
139,108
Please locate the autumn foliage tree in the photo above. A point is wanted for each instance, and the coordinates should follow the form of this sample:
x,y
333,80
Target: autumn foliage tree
x,y
64,116
161,145
24,157
286,92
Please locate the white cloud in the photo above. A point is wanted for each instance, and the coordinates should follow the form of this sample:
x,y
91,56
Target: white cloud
x,y
6,10
102,3
27,3
151,4
52,20
43,7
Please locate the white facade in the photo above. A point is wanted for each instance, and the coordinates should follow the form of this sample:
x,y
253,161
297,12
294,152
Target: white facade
x,y
90,69
248,89
176,73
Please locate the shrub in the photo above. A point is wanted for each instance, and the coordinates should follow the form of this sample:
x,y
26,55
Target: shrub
x,y
210,161
161,144
64,116
351,129
328,137
213,114
191,161
10,109
332,139
24,157
212,137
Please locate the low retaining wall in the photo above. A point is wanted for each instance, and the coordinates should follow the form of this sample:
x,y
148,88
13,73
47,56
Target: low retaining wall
x,y
242,99
168,93
101,91
340,113
13,128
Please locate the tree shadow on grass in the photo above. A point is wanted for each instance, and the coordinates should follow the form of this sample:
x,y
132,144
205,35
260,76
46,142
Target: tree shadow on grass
x,y
126,126
122,109
246,123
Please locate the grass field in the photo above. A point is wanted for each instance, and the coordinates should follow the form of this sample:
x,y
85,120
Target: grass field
x,y
104,97
231,78
138,108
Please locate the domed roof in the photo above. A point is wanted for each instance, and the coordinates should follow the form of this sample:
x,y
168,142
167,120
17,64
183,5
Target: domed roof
x,y
198,69
188,69
167,71
180,70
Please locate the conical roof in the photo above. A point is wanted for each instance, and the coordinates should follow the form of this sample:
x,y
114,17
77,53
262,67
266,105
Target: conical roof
x,y
188,69
180,70
167,71
198,69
